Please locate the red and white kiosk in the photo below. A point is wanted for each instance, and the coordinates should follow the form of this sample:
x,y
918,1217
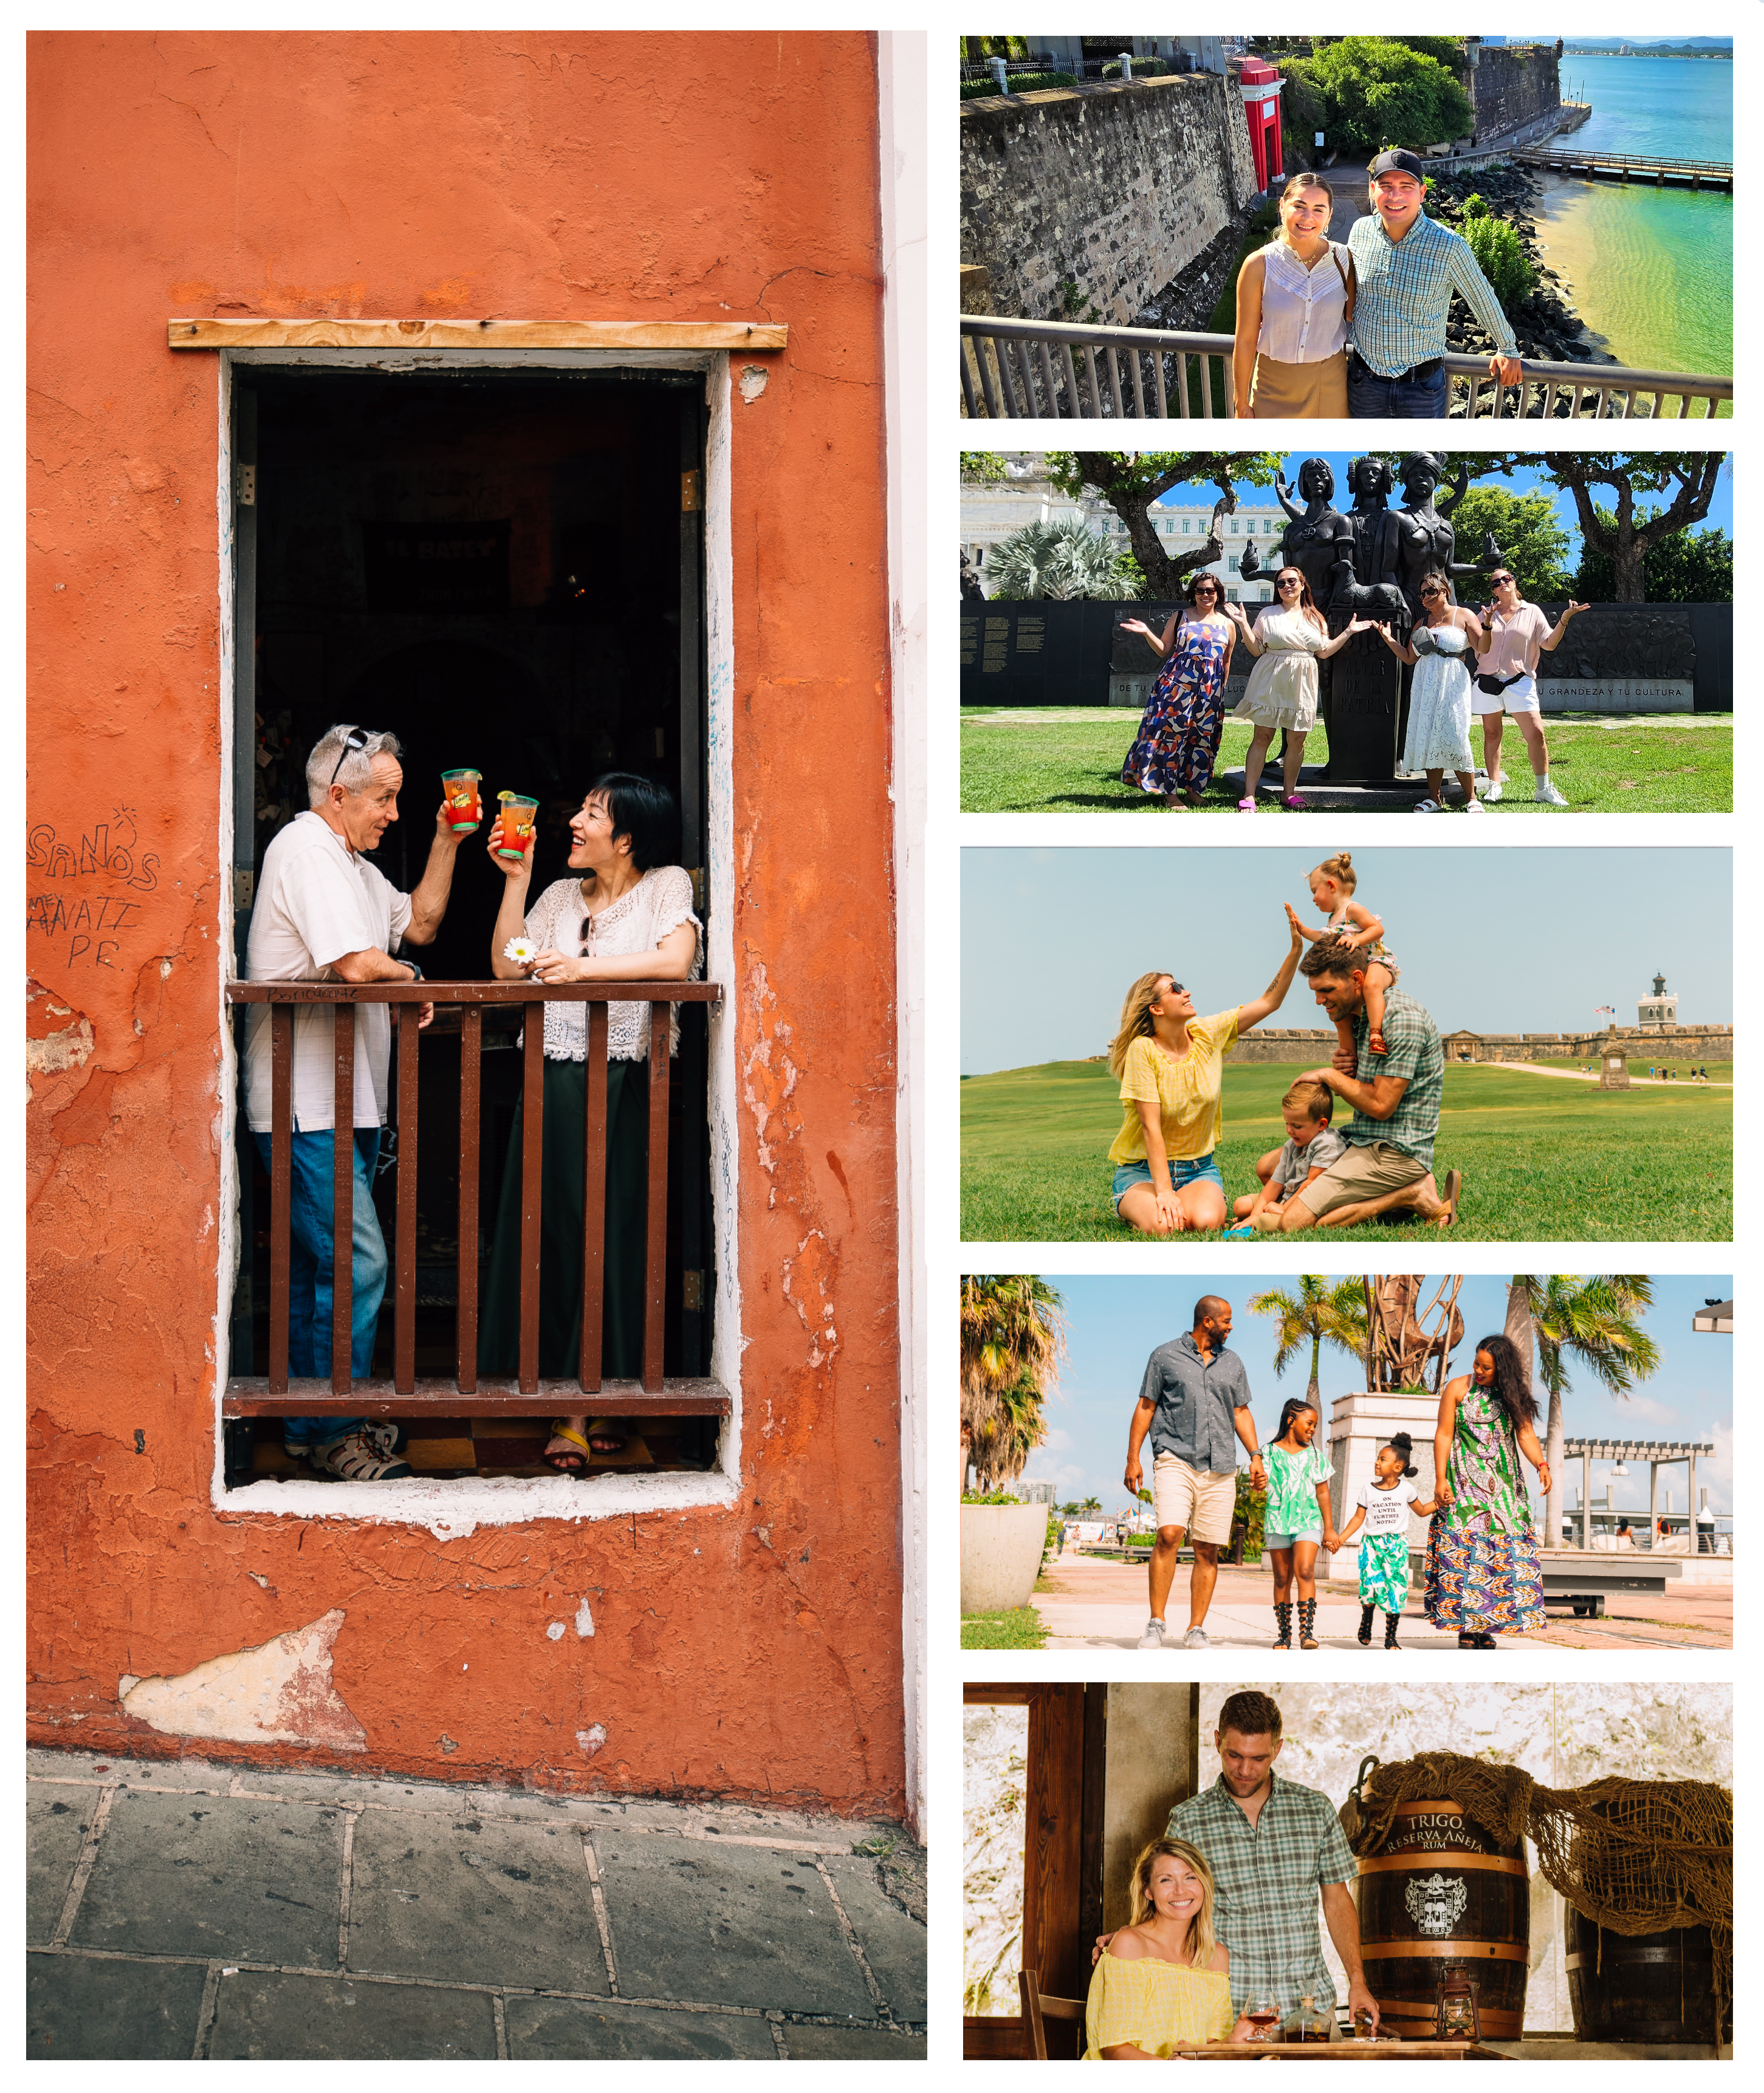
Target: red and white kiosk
x,y
1260,84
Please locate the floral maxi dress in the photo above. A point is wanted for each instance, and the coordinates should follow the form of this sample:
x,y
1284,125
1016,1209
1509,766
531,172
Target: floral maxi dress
x,y
1483,1574
1178,743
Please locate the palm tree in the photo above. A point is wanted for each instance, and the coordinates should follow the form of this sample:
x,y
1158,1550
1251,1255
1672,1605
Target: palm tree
x,y
1013,1336
1319,1313
1057,561
1557,1317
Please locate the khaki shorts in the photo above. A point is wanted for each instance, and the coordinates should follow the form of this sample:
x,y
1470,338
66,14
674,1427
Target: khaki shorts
x,y
1367,1171
1194,1499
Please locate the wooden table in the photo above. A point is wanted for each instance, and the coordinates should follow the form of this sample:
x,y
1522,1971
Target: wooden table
x,y
1341,2051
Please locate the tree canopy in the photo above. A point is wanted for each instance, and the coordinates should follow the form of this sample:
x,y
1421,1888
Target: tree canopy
x,y
1380,91
1528,532
1690,566
1131,481
1689,478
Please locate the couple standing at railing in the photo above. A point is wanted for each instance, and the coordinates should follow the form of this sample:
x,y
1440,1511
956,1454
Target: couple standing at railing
x,y
324,913
1326,329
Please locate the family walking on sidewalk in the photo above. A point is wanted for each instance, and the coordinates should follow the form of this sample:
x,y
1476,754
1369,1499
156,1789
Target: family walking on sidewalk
x,y
1483,1575
324,912
1325,329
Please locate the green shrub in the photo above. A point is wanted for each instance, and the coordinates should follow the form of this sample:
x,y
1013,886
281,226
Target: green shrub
x,y
1018,83
1249,1512
1500,258
1143,69
1473,206
992,1497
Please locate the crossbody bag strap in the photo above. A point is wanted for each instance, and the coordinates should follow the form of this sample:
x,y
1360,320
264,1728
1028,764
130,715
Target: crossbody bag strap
x,y
1348,289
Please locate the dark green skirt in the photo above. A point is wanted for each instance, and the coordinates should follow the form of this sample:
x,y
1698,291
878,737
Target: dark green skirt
x,y
561,1229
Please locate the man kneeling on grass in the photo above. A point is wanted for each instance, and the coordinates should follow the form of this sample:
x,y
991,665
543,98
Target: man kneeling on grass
x,y
1395,1096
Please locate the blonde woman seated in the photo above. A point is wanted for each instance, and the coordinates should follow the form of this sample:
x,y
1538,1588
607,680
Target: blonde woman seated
x,y
1164,1982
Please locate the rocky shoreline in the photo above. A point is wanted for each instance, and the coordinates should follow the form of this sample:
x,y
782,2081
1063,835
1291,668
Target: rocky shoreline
x,y
1545,326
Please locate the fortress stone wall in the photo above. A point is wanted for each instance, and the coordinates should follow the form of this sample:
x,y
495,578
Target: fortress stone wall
x,y
1135,191
1509,84
1672,1043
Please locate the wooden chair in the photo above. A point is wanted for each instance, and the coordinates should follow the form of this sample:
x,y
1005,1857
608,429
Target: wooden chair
x,y
1038,2008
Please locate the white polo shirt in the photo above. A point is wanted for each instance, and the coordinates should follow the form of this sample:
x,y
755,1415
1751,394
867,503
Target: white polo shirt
x,y
317,900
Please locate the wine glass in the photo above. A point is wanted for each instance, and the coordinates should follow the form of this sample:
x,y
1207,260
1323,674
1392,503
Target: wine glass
x,y
1263,2013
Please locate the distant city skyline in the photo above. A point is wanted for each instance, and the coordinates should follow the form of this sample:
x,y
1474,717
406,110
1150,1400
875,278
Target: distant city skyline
x,y
1514,940
1114,1323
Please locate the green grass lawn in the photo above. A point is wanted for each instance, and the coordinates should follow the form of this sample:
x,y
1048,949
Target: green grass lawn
x,y
1020,1628
1062,760
1542,1161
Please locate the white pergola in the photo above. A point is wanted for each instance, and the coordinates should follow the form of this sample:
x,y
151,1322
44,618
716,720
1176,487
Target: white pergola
x,y
1656,1453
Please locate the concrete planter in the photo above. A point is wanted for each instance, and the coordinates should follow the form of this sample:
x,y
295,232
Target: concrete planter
x,y
1001,1550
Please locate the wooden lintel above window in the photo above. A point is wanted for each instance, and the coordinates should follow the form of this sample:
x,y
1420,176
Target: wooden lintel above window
x,y
741,335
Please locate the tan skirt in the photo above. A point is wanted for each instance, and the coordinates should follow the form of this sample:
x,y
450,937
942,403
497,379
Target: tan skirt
x,y
1299,392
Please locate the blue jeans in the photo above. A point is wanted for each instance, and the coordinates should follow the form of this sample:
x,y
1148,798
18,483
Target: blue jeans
x,y
309,1269
1371,398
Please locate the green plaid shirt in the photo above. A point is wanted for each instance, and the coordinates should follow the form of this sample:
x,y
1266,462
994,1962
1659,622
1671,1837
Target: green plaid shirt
x,y
1268,1875
1412,1050
1403,293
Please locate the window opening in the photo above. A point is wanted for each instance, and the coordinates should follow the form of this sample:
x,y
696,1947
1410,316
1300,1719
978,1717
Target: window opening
x,y
505,569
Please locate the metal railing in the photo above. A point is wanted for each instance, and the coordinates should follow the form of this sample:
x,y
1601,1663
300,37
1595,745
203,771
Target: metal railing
x,y
407,1394
1580,159
1057,370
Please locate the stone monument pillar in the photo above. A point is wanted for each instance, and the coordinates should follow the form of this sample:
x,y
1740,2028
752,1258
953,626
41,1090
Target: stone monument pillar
x,y
1612,1068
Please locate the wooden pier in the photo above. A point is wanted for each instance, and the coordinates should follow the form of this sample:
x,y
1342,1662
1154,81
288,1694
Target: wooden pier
x,y
1626,166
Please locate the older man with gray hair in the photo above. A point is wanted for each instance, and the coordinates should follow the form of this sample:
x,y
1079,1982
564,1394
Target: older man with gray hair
x,y
324,913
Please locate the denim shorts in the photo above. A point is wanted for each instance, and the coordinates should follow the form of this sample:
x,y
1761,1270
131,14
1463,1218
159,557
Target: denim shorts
x,y
1202,1169
1285,1541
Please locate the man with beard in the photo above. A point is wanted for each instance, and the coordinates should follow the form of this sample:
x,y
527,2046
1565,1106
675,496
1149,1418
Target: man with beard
x,y
1276,1849
1395,1100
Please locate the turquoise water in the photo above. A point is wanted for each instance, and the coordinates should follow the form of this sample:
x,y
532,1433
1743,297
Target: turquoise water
x,y
1650,270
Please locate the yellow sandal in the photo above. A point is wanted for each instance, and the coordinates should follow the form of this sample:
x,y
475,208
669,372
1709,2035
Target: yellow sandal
x,y
567,1464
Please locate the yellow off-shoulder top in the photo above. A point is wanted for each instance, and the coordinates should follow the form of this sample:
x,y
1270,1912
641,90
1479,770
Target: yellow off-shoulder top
x,y
1156,2006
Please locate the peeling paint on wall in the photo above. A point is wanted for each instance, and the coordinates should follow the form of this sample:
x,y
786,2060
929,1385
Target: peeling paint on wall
x,y
280,1692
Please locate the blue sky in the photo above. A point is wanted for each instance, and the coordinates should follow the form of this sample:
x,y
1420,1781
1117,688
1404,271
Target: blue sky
x,y
1512,940
1524,479
1114,1324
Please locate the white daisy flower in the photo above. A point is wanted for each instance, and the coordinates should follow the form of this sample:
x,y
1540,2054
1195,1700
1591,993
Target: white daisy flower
x,y
521,951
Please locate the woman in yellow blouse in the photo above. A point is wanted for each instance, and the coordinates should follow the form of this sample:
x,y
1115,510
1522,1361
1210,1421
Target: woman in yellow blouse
x,y
1164,1980
1171,1067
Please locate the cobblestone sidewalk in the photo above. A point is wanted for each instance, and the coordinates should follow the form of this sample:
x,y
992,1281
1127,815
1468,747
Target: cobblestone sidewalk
x,y
184,1909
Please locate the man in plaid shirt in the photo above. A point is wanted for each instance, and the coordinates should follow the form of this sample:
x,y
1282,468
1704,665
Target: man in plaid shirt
x,y
1275,1849
1396,1099
1405,268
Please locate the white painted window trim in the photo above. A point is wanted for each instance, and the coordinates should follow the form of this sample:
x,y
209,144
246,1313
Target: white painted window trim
x,y
903,93
450,1510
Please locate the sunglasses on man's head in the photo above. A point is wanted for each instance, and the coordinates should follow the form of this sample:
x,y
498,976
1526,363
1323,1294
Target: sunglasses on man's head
x,y
355,739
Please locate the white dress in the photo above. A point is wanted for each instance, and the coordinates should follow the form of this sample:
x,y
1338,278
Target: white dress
x,y
1439,701
637,922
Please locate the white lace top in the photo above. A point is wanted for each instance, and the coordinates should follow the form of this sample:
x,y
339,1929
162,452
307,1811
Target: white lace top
x,y
637,922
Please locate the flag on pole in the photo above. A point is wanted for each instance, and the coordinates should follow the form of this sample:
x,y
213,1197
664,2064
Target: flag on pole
x,y
1603,1010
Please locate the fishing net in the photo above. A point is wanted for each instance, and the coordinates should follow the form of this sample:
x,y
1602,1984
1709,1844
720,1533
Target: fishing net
x,y
1632,1856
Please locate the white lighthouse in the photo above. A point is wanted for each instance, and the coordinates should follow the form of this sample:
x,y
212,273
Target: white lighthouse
x,y
1657,1013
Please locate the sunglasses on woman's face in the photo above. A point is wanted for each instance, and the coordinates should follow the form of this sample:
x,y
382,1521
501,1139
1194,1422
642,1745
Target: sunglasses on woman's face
x,y
1500,580
1426,593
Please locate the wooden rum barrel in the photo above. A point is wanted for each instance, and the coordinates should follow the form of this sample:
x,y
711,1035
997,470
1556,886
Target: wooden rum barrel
x,y
1641,1987
1441,1889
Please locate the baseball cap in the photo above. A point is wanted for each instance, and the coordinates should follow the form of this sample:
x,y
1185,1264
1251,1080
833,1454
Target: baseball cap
x,y
1397,162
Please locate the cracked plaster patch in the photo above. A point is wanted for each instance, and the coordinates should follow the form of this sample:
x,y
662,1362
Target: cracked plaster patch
x,y
280,1692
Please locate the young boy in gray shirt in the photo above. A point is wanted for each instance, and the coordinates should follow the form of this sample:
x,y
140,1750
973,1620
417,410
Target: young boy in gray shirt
x,y
1309,1149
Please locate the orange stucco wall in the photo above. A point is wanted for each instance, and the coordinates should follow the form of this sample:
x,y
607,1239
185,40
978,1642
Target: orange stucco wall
x,y
752,1652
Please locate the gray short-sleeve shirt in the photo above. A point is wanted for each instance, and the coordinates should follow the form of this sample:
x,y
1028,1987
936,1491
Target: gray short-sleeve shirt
x,y
1193,1399
1295,1164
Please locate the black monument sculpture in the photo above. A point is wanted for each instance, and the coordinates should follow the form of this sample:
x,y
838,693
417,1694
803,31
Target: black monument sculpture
x,y
1368,563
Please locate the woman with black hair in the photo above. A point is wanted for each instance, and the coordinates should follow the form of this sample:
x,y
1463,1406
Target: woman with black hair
x,y
1483,1574
625,915
1177,744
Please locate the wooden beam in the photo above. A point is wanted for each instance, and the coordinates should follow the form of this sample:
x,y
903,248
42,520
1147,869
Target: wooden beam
x,y
249,1396
743,335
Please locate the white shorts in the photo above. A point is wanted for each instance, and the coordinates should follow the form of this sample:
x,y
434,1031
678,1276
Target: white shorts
x,y
1519,697
1194,1499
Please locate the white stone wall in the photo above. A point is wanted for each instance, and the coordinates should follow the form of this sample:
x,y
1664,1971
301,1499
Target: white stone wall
x,y
1563,1736
995,1771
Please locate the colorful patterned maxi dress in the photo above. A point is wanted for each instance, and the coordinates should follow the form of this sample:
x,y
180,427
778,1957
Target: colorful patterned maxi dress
x,y
1177,744
1483,1575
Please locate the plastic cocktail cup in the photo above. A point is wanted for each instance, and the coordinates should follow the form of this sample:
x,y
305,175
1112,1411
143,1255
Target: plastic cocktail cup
x,y
465,804
514,824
